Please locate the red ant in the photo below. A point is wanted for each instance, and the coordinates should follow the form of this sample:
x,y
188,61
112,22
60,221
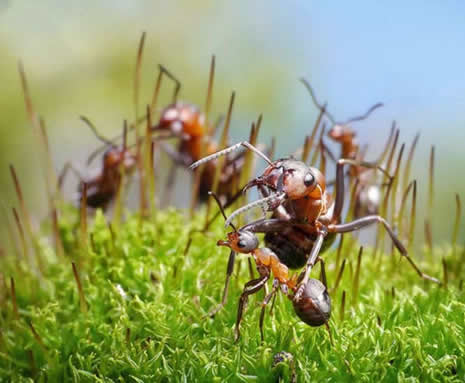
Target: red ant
x,y
187,123
102,188
314,305
342,132
305,218
368,193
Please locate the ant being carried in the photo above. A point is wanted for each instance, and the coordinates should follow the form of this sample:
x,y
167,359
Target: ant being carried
x,y
314,305
304,222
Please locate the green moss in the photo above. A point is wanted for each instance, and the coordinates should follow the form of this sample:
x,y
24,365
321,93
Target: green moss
x,y
147,304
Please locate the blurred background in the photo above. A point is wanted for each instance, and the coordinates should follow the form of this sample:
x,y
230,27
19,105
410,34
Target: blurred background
x,y
79,58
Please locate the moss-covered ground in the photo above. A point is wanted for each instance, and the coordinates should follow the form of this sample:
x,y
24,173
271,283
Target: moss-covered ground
x,y
143,318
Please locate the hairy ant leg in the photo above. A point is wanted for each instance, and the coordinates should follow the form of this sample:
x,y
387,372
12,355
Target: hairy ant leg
x,y
376,219
340,191
357,224
242,241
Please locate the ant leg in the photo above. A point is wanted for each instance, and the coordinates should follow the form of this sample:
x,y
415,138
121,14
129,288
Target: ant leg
x,y
265,303
216,215
311,260
272,305
170,183
178,160
375,219
229,271
339,201
260,226
272,202
177,83
328,151
250,288
266,225
323,272
280,211
66,168
175,155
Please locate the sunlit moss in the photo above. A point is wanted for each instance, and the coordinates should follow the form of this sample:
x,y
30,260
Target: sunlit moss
x,y
147,304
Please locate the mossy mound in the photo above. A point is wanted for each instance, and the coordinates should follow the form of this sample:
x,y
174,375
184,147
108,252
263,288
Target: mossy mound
x,y
145,304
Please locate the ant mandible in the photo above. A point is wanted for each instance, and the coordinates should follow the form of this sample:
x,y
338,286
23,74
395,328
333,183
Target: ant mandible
x,y
305,217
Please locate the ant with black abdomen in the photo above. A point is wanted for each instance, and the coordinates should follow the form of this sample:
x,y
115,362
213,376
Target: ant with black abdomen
x,y
314,305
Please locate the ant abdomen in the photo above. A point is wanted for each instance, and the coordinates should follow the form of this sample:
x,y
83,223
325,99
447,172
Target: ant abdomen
x,y
314,304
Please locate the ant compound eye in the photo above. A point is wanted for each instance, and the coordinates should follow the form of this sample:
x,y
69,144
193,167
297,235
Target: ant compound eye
x,y
247,242
309,179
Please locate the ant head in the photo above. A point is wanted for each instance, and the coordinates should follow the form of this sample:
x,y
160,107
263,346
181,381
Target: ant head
x,y
314,305
297,180
169,118
112,157
341,132
182,119
241,242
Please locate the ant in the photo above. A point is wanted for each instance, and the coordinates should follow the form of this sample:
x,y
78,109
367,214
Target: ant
x,y
342,132
305,219
314,305
188,124
367,193
102,188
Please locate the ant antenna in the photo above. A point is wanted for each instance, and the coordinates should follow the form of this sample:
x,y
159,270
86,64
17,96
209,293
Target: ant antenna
x,y
173,78
315,101
330,117
251,205
364,116
210,193
94,130
226,151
